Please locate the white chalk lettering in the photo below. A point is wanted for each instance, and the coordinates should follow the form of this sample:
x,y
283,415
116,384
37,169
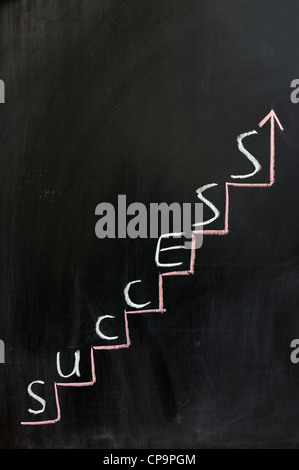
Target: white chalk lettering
x,y
99,332
76,365
36,397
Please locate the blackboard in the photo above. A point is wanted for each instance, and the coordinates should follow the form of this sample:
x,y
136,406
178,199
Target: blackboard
x,y
151,101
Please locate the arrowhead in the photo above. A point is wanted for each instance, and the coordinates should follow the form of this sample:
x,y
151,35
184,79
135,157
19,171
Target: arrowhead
x,y
271,116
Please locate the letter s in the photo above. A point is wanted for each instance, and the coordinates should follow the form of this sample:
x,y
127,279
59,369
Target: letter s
x,y
199,192
36,397
294,357
294,84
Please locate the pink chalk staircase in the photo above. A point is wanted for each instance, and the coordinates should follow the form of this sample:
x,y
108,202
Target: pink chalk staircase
x,y
272,118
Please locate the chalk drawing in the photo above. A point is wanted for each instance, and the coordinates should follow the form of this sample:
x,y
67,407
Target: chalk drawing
x,y
270,117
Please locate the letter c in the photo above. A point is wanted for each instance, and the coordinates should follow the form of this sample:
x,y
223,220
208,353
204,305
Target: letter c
x,y
98,331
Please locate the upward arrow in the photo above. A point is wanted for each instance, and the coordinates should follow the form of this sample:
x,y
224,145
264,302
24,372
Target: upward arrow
x,y
272,117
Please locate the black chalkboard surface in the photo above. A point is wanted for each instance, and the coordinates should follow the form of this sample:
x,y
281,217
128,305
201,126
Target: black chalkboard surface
x,y
109,343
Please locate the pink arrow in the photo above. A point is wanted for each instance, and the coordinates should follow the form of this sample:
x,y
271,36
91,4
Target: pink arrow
x,y
272,116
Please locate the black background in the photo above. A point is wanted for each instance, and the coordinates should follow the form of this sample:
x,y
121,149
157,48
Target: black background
x,y
147,98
